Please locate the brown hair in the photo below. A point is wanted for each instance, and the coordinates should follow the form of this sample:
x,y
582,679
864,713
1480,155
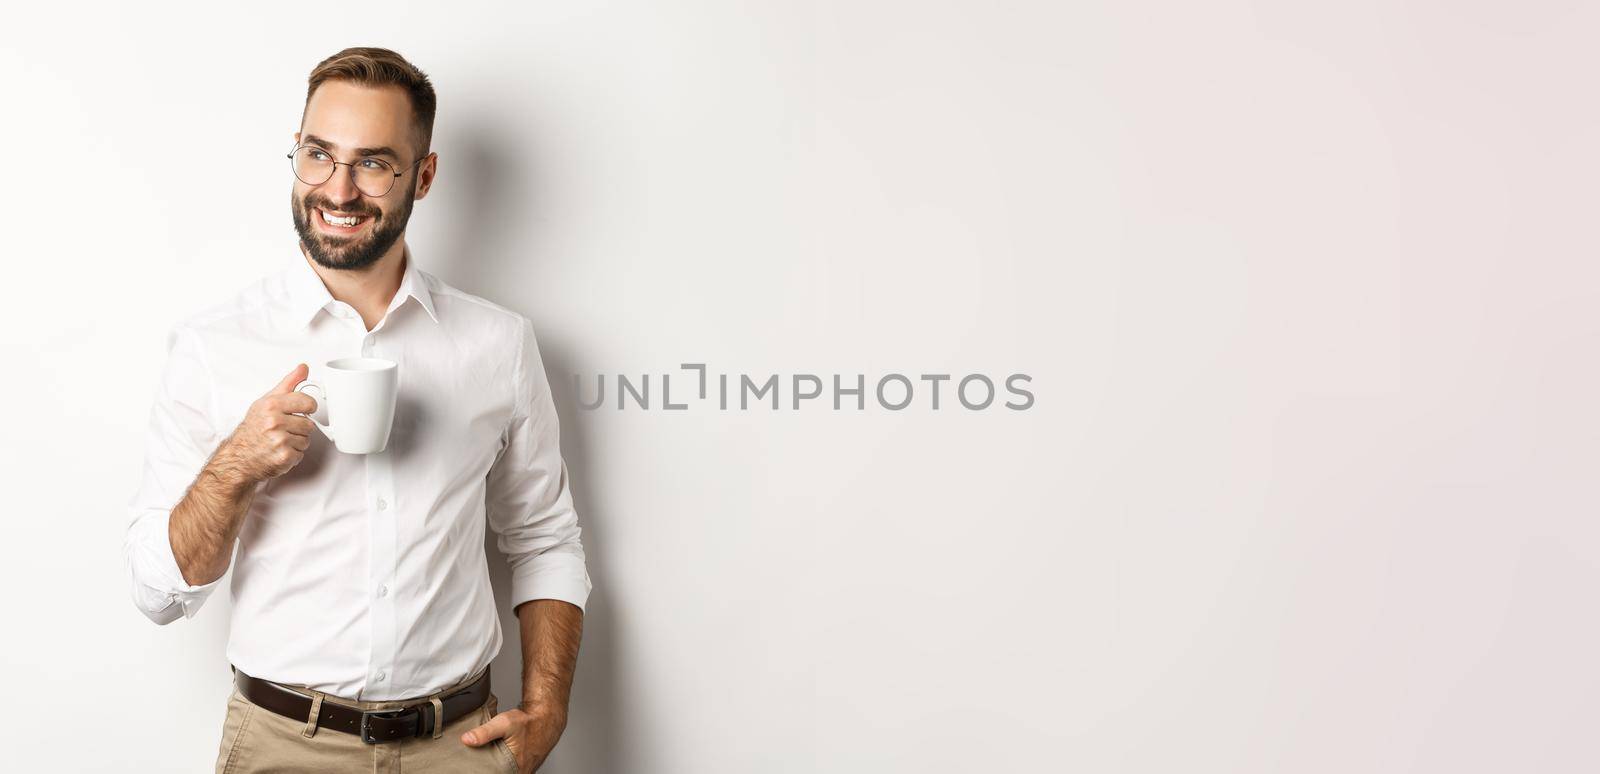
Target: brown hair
x,y
381,67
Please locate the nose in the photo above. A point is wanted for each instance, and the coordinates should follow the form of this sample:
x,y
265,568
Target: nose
x,y
341,188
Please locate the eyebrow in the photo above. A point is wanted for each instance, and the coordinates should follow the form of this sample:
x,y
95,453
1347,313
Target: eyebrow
x,y
381,150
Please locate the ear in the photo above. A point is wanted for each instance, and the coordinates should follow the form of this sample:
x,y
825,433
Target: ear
x,y
425,172
296,138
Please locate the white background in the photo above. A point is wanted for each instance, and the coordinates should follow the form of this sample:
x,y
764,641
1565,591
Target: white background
x,y
1308,293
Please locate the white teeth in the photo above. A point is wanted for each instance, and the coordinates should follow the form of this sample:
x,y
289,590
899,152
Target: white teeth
x,y
350,221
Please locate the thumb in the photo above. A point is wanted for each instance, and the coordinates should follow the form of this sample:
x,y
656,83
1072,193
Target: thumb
x,y
291,381
498,726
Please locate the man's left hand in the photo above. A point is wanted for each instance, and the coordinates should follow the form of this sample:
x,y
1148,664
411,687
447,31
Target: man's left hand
x,y
530,731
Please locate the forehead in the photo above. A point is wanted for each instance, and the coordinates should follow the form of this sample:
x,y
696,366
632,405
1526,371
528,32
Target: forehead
x,y
351,115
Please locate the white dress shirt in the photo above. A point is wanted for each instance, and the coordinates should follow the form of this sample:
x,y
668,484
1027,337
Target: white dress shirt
x,y
365,576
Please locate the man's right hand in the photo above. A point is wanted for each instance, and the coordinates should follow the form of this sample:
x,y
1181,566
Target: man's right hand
x,y
273,437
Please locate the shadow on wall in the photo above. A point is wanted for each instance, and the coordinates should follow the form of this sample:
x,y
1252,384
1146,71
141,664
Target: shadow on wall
x,y
493,191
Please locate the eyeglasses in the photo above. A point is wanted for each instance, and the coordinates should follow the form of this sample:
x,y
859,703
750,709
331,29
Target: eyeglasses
x,y
373,176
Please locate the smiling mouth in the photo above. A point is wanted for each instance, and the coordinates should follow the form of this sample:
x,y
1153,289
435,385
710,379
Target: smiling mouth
x,y
340,224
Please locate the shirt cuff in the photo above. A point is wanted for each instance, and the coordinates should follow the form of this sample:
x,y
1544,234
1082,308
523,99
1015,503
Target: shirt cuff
x,y
157,549
551,575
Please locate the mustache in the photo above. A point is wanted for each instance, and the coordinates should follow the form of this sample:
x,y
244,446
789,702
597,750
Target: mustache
x,y
328,206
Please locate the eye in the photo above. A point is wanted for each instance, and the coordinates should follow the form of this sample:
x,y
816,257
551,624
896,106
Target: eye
x,y
318,155
372,164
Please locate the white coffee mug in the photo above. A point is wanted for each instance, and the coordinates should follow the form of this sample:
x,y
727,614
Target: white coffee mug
x,y
357,396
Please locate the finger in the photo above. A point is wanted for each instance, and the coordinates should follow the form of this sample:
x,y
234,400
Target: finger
x,y
498,726
299,442
289,382
286,459
295,403
297,425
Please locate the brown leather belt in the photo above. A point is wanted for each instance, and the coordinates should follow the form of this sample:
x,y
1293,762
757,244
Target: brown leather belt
x,y
373,726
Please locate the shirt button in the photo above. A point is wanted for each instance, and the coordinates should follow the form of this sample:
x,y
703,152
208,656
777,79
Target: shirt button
x,y
382,504
383,591
378,677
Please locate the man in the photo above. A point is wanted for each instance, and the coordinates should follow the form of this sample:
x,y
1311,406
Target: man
x,y
363,622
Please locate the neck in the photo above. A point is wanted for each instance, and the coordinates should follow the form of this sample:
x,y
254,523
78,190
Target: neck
x,y
369,289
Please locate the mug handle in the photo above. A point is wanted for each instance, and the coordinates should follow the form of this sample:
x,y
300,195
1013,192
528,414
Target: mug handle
x,y
322,400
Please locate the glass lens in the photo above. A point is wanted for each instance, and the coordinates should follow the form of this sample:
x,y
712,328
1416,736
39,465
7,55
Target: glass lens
x,y
373,176
312,165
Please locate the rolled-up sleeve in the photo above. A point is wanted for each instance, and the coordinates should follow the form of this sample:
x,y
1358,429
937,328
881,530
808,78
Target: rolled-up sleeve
x,y
528,499
179,441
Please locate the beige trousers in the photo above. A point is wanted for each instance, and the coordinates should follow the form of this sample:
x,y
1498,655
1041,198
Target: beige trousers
x,y
258,741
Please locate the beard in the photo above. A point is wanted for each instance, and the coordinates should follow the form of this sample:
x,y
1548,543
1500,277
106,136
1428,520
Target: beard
x,y
349,253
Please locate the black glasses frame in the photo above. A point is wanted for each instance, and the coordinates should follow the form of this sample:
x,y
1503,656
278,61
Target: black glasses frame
x,y
352,166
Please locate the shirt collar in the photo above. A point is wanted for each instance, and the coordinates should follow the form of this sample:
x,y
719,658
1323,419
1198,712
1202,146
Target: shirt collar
x,y
307,295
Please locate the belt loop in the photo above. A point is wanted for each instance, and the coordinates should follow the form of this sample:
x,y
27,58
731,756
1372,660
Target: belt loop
x,y
438,716
316,714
